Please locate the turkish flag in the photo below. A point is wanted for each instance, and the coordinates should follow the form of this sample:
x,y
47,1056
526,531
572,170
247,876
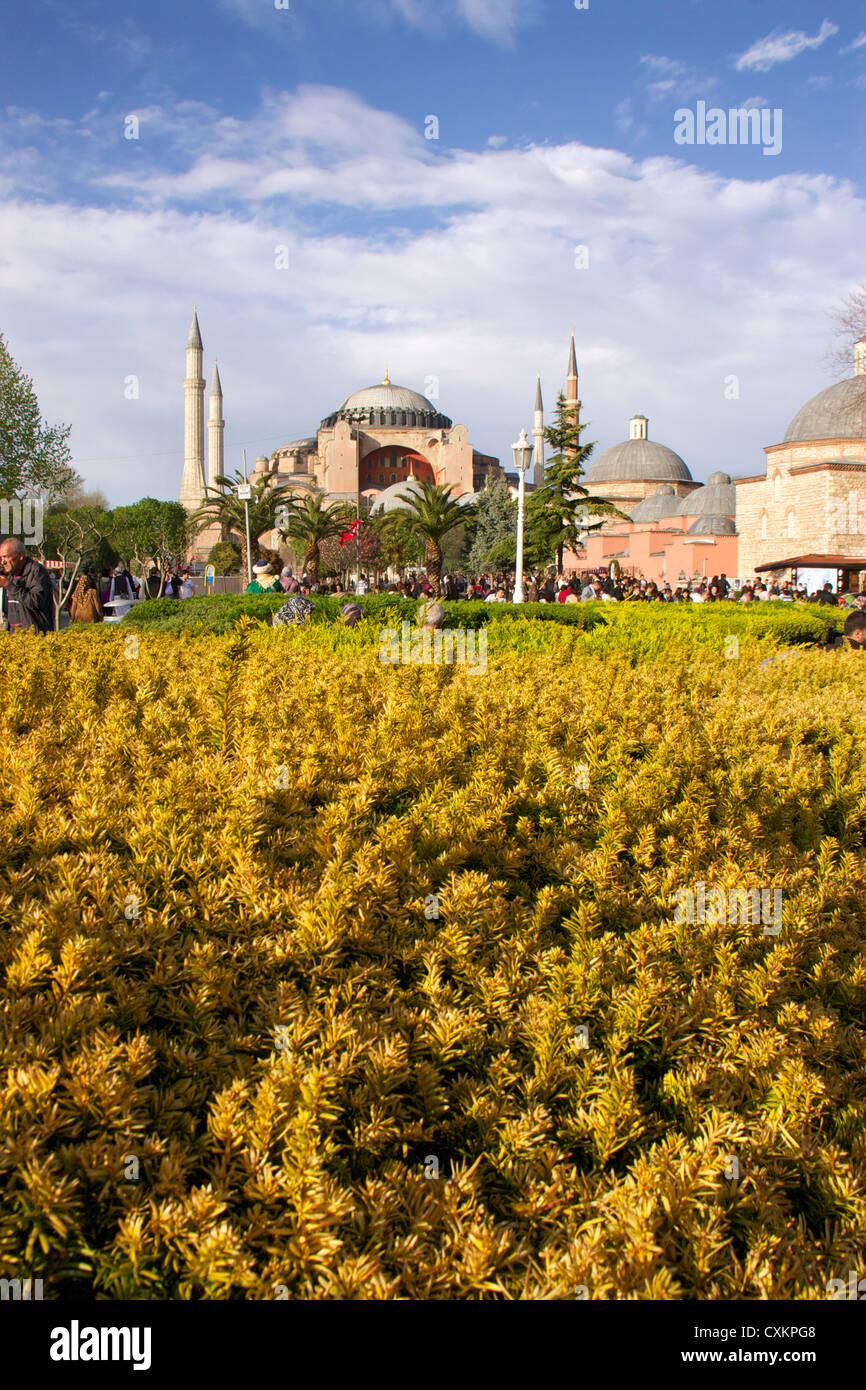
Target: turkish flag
x,y
349,535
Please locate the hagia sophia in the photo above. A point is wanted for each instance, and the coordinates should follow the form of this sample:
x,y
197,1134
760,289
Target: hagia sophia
x,y
806,509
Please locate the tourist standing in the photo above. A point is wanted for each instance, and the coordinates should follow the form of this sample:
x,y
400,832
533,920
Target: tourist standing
x,y
29,594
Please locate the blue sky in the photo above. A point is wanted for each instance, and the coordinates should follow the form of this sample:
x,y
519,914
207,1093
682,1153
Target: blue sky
x,y
453,259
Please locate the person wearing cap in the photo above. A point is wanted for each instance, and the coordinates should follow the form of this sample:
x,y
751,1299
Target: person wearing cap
x,y
351,614
265,581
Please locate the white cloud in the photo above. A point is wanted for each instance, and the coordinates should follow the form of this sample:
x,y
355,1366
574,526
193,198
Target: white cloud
x,y
781,46
691,277
819,83
859,42
497,20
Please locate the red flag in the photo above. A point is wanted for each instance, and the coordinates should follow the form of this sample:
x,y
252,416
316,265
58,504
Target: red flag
x,y
350,534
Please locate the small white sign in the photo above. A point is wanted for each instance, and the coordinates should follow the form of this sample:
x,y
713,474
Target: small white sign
x,y
245,492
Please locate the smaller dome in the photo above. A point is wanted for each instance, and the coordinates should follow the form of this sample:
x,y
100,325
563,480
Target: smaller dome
x,y
663,502
390,498
712,525
717,497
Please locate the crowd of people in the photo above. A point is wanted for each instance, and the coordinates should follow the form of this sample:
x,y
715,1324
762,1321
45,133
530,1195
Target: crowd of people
x,y
28,595
597,586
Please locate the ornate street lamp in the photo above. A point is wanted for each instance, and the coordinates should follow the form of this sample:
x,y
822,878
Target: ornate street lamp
x,y
522,452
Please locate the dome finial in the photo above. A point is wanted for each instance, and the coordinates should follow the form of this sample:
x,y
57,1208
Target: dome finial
x,y
386,381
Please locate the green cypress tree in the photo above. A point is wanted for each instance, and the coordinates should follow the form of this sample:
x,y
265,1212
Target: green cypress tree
x,y
495,542
558,511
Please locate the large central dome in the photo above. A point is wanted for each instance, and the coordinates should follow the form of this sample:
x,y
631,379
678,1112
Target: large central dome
x,y
389,406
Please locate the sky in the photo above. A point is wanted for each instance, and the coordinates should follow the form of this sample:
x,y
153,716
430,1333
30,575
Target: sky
x,y
448,189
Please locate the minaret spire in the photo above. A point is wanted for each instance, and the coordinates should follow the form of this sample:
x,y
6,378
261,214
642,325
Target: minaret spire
x,y
538,437
215,429
572,400
192,482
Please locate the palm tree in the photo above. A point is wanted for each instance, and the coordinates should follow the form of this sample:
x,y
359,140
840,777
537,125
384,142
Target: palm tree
x,y
432,512
223,507
309,521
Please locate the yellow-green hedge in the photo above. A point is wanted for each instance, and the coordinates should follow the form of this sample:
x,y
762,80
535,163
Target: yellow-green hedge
x,y
234,1037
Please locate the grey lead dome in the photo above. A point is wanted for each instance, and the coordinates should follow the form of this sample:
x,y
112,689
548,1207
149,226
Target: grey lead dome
x,y
663,503
389,405
638,460
837,412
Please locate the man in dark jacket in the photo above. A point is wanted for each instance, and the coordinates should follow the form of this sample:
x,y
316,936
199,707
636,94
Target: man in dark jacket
x,y
29,594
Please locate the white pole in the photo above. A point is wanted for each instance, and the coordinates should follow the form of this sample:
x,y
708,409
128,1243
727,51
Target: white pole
x,y
518,575
247,520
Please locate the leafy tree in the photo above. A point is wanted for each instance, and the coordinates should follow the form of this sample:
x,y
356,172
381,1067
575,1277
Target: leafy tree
x,y
495,542
225,557
73,535
308,521
432,512
399,545
35,458
150,534
223,508
557,512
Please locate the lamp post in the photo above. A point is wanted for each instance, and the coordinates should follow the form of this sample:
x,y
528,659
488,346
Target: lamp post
x,y
245,492
522,452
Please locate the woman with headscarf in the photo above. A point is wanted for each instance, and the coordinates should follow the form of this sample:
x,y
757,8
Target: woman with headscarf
x,y
84,604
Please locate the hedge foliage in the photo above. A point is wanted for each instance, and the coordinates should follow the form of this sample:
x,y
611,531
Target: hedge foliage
x,y
641,627
237,1042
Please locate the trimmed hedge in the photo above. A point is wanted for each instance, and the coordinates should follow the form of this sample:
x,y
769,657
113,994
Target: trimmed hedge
x,y
648,627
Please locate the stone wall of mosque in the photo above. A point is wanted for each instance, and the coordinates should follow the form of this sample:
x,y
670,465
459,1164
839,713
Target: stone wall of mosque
x,y
807,503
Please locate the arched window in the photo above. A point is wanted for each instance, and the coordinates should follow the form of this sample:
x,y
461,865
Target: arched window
x,y
792,524
777,488
763,526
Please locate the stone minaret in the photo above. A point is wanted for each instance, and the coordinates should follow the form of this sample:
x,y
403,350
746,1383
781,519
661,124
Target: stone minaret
x,y
192,483
572,400
860,356
215,429
538,438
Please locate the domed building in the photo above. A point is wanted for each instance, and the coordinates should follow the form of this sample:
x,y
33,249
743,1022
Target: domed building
x,y
808,510
379,439
629,473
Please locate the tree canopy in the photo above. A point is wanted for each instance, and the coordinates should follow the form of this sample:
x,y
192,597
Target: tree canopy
x,y
35,458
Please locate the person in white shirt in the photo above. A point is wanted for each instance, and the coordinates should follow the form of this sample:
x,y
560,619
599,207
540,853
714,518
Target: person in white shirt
x,y
497,597
187,588
361,586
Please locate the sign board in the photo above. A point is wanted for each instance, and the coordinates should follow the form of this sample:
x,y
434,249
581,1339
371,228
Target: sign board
x,y
245,492
54,564
209,576
814,578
